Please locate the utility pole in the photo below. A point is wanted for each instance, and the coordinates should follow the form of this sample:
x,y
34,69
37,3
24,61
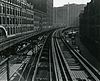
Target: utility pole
x,y
8,72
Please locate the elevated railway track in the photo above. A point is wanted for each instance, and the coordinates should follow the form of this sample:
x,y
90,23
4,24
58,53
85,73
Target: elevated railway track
x,y
20,63
56,61
8,42
73,66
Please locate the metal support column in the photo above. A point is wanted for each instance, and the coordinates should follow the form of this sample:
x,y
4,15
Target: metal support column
x,y
8,72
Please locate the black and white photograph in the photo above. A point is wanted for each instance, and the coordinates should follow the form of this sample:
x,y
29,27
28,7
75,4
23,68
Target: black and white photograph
x,y
49,40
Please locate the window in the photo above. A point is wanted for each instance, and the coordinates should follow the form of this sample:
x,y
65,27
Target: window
x,y
10,20
11,30
10,10
3,20
20,13
17,21
4,9
0,20
13,20
7,10
0,8
7,20
20,21
13,12
16,11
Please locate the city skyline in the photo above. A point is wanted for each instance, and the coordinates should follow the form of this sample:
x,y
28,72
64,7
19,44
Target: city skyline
x,y
58,3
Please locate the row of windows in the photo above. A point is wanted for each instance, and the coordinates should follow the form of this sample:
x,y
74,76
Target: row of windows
x,y
8,20
20,3
9,10
14,11
12,15
25,21
14,30
25,14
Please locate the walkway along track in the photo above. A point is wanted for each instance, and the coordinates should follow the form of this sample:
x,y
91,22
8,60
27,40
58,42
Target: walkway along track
x,y
69,65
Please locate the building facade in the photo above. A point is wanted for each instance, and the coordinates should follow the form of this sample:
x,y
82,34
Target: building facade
x,y
90,27
67,15
40,20
45,6
50,12
18,16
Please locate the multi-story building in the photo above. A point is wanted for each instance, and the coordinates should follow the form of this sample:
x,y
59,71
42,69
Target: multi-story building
x,y
45,6
50,12
40,19
67,15
58,16
90,27
16,16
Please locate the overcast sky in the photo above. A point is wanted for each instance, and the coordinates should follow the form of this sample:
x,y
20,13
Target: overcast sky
x,y
62,2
